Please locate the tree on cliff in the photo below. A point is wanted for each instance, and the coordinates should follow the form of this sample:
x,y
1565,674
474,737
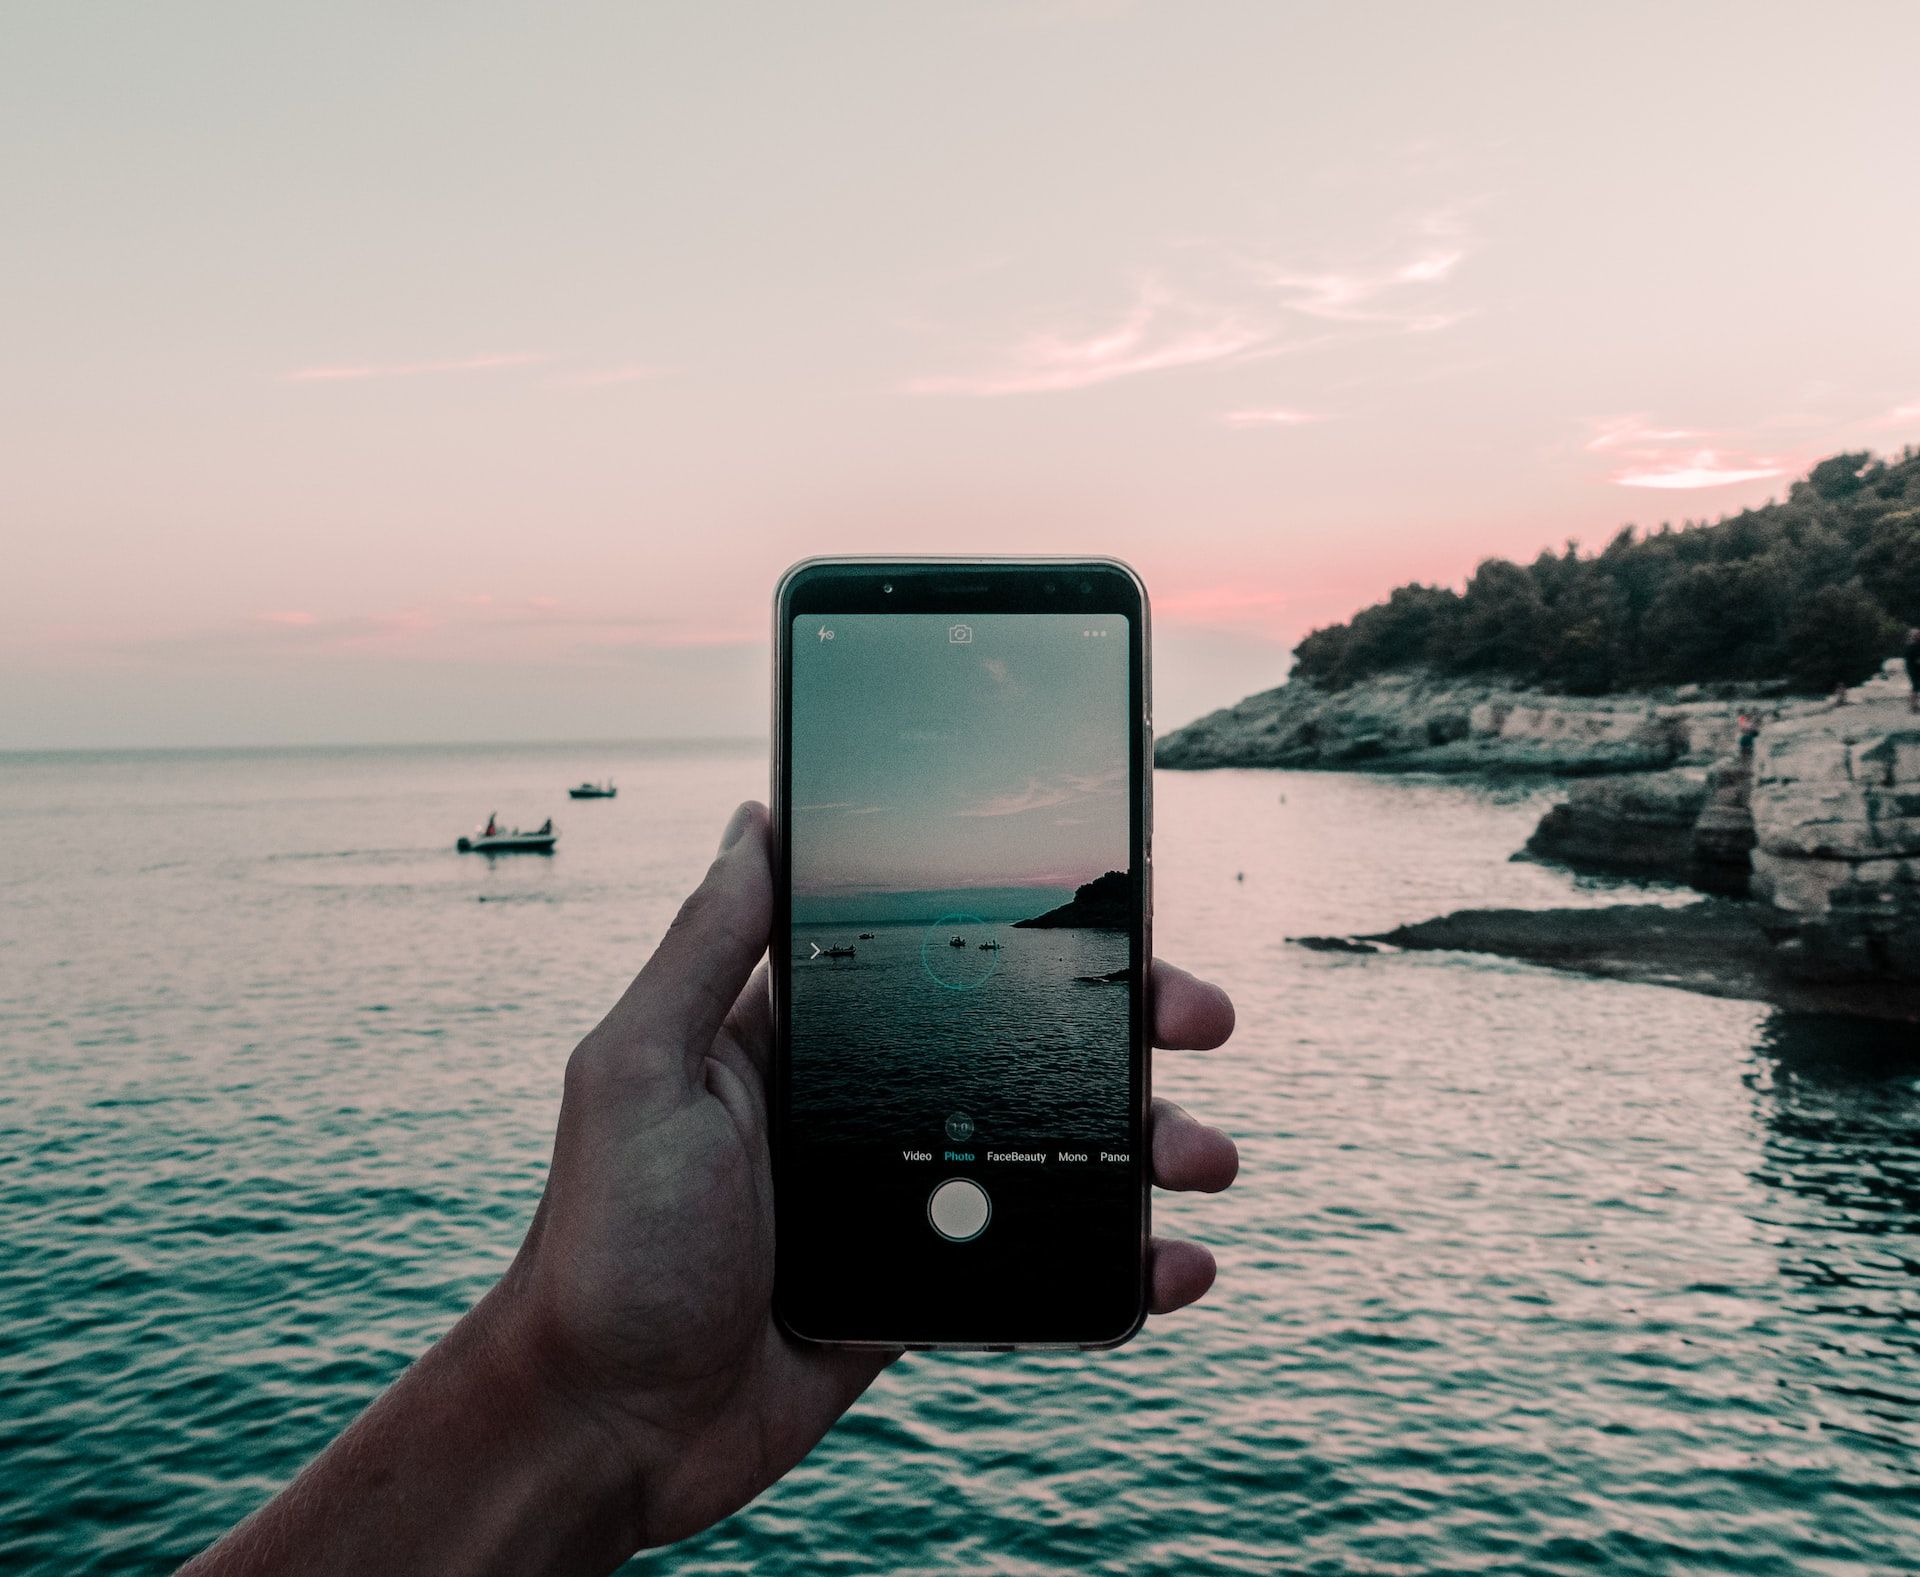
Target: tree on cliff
x,y
1810,591
1840,636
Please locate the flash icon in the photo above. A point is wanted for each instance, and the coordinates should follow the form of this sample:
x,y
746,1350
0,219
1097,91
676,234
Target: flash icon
x,y
825,633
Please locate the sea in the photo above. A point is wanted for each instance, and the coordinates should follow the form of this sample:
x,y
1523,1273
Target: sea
x,y
1523,1272
1018,1029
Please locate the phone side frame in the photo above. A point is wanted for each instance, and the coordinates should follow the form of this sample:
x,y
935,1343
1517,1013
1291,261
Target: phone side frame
x,y
1140,1002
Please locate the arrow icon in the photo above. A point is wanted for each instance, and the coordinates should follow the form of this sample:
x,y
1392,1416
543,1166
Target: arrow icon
x,y
816,949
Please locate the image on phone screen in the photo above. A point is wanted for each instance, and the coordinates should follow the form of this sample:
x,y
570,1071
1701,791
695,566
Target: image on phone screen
x,y
960,1078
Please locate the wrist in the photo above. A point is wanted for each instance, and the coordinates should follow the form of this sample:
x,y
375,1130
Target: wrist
x,y
572,1467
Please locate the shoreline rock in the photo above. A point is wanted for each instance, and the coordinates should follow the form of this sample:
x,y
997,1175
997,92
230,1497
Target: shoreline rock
x,y
1415,722
1683,825
1640,824
1718,947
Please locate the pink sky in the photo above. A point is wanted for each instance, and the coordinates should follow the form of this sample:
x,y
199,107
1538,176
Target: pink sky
x,y
373,377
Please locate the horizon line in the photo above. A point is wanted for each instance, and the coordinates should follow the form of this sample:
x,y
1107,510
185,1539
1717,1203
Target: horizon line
x,y
584,743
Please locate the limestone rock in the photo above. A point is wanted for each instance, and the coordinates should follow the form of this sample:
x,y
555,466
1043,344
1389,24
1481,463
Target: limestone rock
x,y
1643,823
1415,722
1723,837
1836,812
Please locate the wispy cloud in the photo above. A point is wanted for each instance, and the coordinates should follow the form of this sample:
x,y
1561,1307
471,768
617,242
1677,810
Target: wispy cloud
x,y
358,372
456,627
1378,296
848,806
1045,794
1158,332
1906,414
1705,468
1674,458
1273,416
1214,306
609,377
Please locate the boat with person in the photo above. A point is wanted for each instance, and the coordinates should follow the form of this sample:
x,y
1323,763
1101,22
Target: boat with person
x,y
604,790
958,941
492,838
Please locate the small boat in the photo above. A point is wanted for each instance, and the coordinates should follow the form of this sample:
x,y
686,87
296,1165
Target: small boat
x,y
958,941
836,952
866,936
989,947
604,790
495,839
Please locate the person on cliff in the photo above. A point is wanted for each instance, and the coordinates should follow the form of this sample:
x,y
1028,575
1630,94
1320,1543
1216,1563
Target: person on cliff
x,y
1913,668
1749,732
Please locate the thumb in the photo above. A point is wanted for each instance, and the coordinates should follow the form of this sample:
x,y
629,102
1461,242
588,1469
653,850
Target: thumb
x,y
678,1001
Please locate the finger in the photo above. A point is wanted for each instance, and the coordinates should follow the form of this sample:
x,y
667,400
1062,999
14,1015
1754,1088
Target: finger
x,y
1189,1014
750,1025
1188,1155
677,1003
1178,1273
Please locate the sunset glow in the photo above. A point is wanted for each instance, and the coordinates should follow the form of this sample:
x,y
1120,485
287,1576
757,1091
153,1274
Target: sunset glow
x,y
482,437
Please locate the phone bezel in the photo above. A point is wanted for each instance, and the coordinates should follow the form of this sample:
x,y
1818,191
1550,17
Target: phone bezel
x,y
978,586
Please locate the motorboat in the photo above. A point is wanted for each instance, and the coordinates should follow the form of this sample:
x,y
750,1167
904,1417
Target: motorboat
x,y
989,947
604,790
958,941
866,936
495,839
832,952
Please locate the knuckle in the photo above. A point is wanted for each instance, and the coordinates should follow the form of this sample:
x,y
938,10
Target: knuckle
x,y
586,1068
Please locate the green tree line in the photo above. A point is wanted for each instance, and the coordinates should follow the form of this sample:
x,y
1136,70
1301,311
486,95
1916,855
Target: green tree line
x,y
1817,590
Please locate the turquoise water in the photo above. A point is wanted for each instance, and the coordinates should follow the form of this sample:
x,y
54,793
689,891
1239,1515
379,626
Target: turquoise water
x,y
1523,1273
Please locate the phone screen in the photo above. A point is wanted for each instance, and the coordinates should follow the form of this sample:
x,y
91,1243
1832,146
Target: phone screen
x,y
960,1131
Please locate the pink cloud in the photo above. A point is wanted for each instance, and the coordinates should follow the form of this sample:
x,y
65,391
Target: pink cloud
x,y
1277,416
1706,468
363,371
1632,432
1230,308
609,377
1904,415
1371,297
1158,332
1666,457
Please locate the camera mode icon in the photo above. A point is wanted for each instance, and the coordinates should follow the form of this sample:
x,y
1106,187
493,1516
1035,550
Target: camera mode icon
x,y
960,634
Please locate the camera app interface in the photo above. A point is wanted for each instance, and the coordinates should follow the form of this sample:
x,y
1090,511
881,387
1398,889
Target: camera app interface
x,y
961,954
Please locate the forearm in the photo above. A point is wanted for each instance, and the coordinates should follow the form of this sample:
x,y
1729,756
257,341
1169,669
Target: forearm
x,y
467,1464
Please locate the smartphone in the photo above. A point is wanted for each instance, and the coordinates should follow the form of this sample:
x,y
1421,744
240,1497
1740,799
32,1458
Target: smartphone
x,y
961,940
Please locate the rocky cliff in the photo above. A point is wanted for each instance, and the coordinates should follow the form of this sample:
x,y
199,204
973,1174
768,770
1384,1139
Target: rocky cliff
x,y
1821,823
1682,825
1103,904
1413,722
1836,820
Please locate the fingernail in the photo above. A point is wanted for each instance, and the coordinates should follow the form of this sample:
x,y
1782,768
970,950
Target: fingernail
x,y
737,827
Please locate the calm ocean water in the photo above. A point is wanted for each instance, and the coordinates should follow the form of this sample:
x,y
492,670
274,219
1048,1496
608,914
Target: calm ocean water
x,y
1524,1273
1034,1035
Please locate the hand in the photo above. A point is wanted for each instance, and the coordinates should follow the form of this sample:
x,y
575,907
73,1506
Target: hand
x,y
625,1385
649,1268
